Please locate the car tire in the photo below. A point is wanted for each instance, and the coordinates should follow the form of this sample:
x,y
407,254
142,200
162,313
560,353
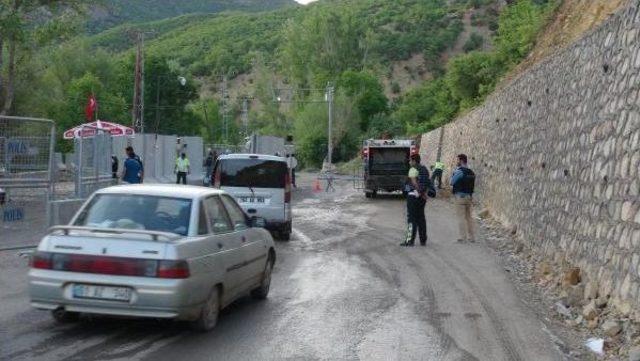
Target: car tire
x,y
285,235
367,194
209,313
374,194
262,292
62,316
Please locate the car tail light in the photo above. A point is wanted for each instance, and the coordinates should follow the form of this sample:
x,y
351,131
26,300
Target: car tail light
x,y
173,269
287,188
118,266
365,152
414,150
41,260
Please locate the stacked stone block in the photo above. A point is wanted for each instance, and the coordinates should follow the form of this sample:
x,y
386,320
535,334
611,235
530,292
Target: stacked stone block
x,y
557,154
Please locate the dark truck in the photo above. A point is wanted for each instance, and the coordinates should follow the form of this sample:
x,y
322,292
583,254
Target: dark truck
x,y
386,164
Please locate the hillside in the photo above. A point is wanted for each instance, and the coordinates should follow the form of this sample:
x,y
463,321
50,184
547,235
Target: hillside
x,y
572,20
398,67
207,44
110,13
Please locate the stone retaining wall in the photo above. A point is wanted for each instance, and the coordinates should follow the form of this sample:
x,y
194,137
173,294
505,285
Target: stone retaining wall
x,y
557,154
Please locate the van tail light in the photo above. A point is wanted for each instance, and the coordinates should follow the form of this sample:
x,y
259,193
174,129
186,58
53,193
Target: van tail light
x,y
287,187
173,269
117,266
41,260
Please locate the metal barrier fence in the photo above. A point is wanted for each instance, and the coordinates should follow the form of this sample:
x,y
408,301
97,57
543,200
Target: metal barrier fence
x,y
39,189
158,154
90,169
93,161
26,178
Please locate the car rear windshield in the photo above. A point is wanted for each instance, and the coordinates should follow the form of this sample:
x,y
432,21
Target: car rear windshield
x,y
254,173
127,211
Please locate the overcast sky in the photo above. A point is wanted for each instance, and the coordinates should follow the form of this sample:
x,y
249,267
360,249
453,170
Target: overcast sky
x,y
305,1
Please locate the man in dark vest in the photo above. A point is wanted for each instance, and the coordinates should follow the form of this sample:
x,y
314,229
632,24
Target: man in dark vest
x,y
463,183
417,188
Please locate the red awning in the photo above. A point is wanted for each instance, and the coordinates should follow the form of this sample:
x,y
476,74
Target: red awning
x,y
89,130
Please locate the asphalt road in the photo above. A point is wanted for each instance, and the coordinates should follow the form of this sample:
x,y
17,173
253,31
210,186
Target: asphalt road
x,y
342,290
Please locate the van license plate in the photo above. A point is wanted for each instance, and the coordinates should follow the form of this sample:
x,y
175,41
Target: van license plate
x,y
252,199
122,294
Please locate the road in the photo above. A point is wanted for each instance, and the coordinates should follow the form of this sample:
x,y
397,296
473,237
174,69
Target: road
x,y
342,290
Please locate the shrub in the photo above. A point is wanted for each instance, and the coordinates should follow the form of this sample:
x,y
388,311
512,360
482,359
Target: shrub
x,y
474,42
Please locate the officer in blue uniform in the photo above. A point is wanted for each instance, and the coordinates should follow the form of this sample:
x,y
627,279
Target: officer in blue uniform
x,y
417,187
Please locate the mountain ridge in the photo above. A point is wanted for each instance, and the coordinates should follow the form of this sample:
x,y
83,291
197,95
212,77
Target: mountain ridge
x,y
111,13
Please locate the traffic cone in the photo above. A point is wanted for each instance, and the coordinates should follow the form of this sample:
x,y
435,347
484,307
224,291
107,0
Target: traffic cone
x,y
316,186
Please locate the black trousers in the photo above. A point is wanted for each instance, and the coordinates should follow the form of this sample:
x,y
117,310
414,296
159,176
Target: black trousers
x,y
437,175
416,219
183,176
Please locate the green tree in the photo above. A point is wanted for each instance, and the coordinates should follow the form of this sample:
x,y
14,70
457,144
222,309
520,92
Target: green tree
x,y
209,120
322,45
383,124
426,107
25,24
472,76
367,92
311,131
166,99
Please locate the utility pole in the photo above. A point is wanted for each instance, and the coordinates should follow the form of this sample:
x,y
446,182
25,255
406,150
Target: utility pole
x,y
330,91
138,91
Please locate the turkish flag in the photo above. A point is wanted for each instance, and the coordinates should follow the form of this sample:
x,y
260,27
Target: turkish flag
x,y
91,107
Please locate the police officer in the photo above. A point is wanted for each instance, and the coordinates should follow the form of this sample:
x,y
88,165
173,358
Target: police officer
x,y
438,169
416,188
182,168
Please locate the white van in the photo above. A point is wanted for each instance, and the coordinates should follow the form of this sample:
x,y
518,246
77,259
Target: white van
x,y
261,184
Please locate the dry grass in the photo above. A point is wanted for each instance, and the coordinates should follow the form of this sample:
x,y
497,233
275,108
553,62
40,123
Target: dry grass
x,y
570,21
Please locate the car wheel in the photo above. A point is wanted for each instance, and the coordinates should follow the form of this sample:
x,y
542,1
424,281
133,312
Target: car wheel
x,y
367,194
209,313
263,291
62,316
374,194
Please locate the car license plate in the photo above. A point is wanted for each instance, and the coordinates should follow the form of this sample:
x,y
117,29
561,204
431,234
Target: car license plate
x,y
252,199
122,294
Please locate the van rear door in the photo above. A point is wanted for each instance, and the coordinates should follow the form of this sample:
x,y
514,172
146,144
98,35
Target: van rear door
x,y
388,161
258,185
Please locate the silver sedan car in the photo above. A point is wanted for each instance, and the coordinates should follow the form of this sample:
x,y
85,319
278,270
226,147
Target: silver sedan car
x,y
160,251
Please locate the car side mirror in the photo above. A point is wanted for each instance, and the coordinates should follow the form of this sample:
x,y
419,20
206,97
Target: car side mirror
x,y
258,222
